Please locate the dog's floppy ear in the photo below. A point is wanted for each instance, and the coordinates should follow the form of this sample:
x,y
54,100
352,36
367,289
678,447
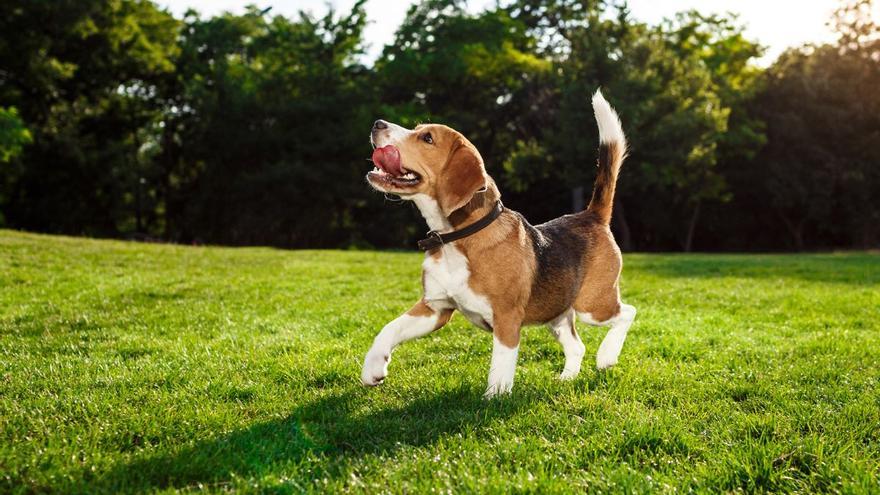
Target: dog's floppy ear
x,y
462,177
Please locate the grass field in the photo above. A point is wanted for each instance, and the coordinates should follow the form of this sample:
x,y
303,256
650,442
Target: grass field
x,y
141,368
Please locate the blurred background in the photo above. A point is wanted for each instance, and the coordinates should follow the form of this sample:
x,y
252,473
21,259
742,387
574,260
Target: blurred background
x,y
248,125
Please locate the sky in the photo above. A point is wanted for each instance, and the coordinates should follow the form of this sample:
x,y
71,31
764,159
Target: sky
x,y
777,24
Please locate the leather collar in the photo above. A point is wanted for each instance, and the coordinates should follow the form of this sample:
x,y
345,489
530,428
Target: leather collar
x,y
436,239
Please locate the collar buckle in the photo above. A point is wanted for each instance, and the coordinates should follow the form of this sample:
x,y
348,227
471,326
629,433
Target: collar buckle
x,y
435,239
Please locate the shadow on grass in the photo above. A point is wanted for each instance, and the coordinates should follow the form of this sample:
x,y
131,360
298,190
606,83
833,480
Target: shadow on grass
x,y
849,268
329,429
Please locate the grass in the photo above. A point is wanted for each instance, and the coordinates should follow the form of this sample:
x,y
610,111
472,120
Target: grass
x,y
141,368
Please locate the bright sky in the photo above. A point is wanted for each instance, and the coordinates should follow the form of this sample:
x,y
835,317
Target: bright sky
x,y
776,24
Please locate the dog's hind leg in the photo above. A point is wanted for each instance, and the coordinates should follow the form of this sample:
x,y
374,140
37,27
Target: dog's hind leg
x,y
564,331
419,321
612,344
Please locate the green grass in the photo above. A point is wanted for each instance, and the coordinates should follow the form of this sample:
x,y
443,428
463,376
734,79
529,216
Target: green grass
x,y
141,368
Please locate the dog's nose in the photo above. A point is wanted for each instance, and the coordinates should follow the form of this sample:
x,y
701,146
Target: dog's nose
x,y
379,125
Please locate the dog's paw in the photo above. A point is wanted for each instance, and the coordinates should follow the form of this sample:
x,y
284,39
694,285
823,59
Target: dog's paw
x,y
605,360
497,389
375,368
568,374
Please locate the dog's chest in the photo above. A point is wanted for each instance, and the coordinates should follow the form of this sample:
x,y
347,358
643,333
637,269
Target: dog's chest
x,y
446,284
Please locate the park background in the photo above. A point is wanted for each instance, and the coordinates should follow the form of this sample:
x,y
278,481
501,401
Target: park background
x,y
118,119
168,367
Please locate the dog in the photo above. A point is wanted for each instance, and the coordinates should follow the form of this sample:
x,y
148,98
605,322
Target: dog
x,y
489,263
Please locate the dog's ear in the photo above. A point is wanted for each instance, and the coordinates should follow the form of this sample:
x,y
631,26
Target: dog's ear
x,y
461,178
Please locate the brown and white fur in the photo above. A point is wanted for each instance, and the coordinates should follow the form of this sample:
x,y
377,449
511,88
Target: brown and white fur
x,y
511,273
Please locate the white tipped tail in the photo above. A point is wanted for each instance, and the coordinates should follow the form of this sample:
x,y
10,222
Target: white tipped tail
x,y
610,129
612,151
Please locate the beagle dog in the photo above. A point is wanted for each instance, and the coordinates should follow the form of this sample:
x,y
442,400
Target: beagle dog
x,y
489,263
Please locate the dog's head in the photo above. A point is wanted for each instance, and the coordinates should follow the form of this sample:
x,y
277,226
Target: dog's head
x,y
430,159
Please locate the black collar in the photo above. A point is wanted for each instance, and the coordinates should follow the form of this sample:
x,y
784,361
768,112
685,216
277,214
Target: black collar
x,y
436,239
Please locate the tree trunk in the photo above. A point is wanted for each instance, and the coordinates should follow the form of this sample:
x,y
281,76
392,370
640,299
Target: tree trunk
x,y
138,213
139,184
620,226
689,240
796,230
169,159
799,240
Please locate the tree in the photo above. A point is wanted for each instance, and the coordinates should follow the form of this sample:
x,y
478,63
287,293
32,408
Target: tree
x,y
13,134
117,119
82,83
661,81
818,171
13,137
474,72
723,51
265,136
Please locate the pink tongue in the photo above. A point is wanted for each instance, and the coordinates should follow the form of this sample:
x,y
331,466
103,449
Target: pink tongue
x,y
388,159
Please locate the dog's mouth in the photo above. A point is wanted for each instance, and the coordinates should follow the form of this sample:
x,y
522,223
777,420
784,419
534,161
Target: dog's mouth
x,y
389,172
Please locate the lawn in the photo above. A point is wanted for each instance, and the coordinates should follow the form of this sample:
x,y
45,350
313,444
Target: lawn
x,y
141,368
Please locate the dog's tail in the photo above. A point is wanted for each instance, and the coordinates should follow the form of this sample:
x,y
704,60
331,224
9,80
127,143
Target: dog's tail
x,y
612,151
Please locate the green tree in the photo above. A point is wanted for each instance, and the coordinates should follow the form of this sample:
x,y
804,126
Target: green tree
x,y
13,137
116,119
661,80
723,51
471,71
83,83
13,134
265,136
818,173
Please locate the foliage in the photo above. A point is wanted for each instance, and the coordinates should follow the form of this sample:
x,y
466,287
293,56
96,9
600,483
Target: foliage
x,y
470,72
674,121
13,134
131,367
256,121
251,128
84,84
822,110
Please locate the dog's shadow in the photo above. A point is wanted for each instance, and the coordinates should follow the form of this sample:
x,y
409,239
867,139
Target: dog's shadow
x,y
330,428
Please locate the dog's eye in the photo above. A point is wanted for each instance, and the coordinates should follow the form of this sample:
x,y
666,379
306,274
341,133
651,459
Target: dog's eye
x,y
426,137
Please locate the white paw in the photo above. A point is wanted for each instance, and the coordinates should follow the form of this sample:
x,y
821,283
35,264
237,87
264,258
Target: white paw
x,y
606,359
569,374
573,363
497,389
375,368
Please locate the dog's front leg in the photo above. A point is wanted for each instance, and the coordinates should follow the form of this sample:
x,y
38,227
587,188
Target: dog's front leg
x,y
505,350
419,321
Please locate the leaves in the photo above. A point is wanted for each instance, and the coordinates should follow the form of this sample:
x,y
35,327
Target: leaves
x,y
251,128
13,134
